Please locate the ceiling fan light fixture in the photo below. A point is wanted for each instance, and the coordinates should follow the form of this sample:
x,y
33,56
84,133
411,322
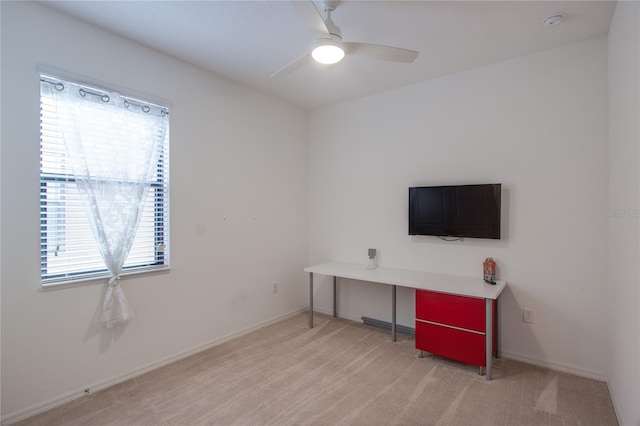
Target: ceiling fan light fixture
x,y
328,52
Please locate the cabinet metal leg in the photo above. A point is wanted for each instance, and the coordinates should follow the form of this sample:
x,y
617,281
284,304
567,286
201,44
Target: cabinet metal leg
x,y
393,313
488,336
335,297
310,299
497,327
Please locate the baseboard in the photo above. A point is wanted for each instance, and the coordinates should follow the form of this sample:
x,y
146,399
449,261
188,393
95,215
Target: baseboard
x,y
330,313
346,316
70,396
553,366
385,325
510,355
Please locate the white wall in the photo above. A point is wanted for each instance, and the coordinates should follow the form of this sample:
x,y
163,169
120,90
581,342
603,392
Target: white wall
x,y
538,125
623,370
238,215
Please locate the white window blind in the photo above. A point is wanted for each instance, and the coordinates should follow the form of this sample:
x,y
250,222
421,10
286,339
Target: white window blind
x,y
69,250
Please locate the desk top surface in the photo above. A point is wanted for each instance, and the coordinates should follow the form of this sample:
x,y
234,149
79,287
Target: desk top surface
x,y
443,283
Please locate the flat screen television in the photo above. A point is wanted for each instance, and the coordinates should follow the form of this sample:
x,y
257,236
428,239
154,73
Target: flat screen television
x,y
471,211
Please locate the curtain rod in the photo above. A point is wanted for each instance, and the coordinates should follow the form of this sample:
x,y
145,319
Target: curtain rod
x,y
144,106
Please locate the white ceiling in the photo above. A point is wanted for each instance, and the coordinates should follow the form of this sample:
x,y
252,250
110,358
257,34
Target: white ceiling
x,y
246,41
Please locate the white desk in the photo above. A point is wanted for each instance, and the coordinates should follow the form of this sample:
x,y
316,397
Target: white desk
x,y
441,283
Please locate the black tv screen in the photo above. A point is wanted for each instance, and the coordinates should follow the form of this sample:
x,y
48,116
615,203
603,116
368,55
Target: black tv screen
x,y
456,210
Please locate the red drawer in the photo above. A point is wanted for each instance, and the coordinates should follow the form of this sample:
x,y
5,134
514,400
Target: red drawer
x,y
459,311
464,346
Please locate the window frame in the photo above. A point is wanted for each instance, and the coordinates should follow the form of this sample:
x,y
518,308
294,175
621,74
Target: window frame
x,y
160,199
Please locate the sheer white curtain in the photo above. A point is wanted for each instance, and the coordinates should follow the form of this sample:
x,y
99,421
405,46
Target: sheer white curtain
x,y
113,145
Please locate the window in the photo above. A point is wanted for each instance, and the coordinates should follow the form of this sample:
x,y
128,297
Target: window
x,y
69,247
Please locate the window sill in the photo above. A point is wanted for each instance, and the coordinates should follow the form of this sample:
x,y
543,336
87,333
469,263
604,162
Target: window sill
x,y
100,278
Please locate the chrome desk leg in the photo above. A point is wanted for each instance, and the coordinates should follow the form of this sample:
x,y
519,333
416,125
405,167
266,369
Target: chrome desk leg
x,y
310,299
335,297
488,336
498,343
393,313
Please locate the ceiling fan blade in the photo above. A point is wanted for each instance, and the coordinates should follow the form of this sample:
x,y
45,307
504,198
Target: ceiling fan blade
x,y
292,66
378,51
311,15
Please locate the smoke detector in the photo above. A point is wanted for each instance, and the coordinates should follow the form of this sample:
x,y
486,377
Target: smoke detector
x,y
553,20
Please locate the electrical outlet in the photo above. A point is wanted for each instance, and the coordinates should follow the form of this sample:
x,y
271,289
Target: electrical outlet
x,y
527,315
275,288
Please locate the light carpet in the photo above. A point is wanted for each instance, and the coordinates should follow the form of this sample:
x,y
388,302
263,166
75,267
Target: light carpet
x,y
338,373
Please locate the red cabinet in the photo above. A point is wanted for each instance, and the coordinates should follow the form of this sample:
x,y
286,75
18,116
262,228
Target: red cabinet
x,y
453,326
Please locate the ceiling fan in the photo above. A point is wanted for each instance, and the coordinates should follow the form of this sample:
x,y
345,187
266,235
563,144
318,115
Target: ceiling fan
x,y
329,48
